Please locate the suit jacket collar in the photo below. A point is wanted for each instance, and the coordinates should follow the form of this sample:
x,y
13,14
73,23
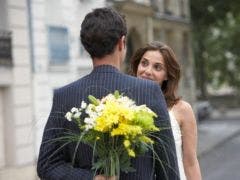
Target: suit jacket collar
x,y
105,69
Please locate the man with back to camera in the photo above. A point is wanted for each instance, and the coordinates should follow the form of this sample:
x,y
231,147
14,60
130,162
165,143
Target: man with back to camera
x,y
103,34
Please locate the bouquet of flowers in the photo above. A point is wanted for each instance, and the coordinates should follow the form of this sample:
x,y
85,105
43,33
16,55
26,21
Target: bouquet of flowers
x,y
116,129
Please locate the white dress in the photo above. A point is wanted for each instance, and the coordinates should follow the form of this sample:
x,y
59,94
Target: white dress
x,y
178,143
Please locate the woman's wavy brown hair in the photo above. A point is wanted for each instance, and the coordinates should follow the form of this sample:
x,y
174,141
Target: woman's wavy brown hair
x,y
170,86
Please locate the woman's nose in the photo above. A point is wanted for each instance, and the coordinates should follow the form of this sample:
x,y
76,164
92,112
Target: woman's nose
x,y
148,70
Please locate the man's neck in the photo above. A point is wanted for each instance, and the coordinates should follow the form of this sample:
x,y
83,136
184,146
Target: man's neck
x,y
107,60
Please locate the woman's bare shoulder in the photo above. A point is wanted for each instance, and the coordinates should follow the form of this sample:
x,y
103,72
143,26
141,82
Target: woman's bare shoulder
x,y
183,111
183,106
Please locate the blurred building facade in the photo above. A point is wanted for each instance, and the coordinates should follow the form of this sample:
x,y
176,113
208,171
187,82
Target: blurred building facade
x,y
58,56
16,100
167,21
46,53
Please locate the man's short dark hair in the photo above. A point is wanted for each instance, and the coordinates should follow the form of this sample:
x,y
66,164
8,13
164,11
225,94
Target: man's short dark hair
x,y
100,31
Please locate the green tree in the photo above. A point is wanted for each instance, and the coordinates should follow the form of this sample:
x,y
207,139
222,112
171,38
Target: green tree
x,y
216,43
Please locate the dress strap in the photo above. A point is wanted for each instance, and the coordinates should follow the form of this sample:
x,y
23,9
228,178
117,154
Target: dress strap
x,y
170,109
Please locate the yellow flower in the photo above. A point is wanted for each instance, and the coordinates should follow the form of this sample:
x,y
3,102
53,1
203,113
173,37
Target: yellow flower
x,y
126,130
131,153
104,123
146,139
108,118
126,143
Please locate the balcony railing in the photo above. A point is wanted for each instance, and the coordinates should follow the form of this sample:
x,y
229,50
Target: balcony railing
x,y
5,48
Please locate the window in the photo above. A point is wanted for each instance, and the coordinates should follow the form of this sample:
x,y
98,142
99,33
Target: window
x,y
182,8
167,7
58,44
5,48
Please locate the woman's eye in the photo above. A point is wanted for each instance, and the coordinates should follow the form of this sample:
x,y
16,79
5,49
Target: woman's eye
x,y
158,67
144,63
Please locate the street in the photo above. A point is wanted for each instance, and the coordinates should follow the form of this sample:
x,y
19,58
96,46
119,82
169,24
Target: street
x,y
223,161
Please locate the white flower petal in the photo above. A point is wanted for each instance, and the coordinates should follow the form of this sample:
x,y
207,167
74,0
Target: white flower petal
x,y
68,116
100,108
83,105
88,126
89,121
77,115
74,110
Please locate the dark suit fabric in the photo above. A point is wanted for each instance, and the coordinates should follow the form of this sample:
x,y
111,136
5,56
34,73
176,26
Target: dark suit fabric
x,y
55,156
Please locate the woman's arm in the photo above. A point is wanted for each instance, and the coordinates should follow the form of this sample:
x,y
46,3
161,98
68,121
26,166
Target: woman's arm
x,y
189,140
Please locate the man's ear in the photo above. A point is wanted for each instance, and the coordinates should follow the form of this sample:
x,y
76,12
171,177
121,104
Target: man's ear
x,y
122,43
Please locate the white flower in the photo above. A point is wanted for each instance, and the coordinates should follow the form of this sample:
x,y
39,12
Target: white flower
x,y
100,108
143,107
88,126
77,115
83,105
90,109
126,101
74,110
109,97
99,113
93,115
89,121
68,116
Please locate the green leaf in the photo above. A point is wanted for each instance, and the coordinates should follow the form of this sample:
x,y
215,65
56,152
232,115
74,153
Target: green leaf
x,y
93,100
98,165
125,163
141,148
116,94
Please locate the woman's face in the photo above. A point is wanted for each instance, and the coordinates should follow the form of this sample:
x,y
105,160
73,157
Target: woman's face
x,y
152,67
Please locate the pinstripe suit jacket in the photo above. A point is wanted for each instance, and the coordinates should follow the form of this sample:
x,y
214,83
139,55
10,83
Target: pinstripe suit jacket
x,y
54,162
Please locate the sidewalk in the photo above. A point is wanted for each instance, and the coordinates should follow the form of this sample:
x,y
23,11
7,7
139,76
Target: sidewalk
x,y
217,130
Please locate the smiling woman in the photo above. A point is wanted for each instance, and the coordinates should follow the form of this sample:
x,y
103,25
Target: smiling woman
x,y
152,67
157,62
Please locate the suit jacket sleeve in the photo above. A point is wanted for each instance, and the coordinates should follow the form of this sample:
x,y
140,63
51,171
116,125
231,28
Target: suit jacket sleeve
x,y
165,149
51,163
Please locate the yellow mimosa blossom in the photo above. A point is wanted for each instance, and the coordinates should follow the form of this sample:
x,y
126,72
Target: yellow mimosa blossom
x,y
146,139
104,123
97,138
108,118
131,153
126,130
126,143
